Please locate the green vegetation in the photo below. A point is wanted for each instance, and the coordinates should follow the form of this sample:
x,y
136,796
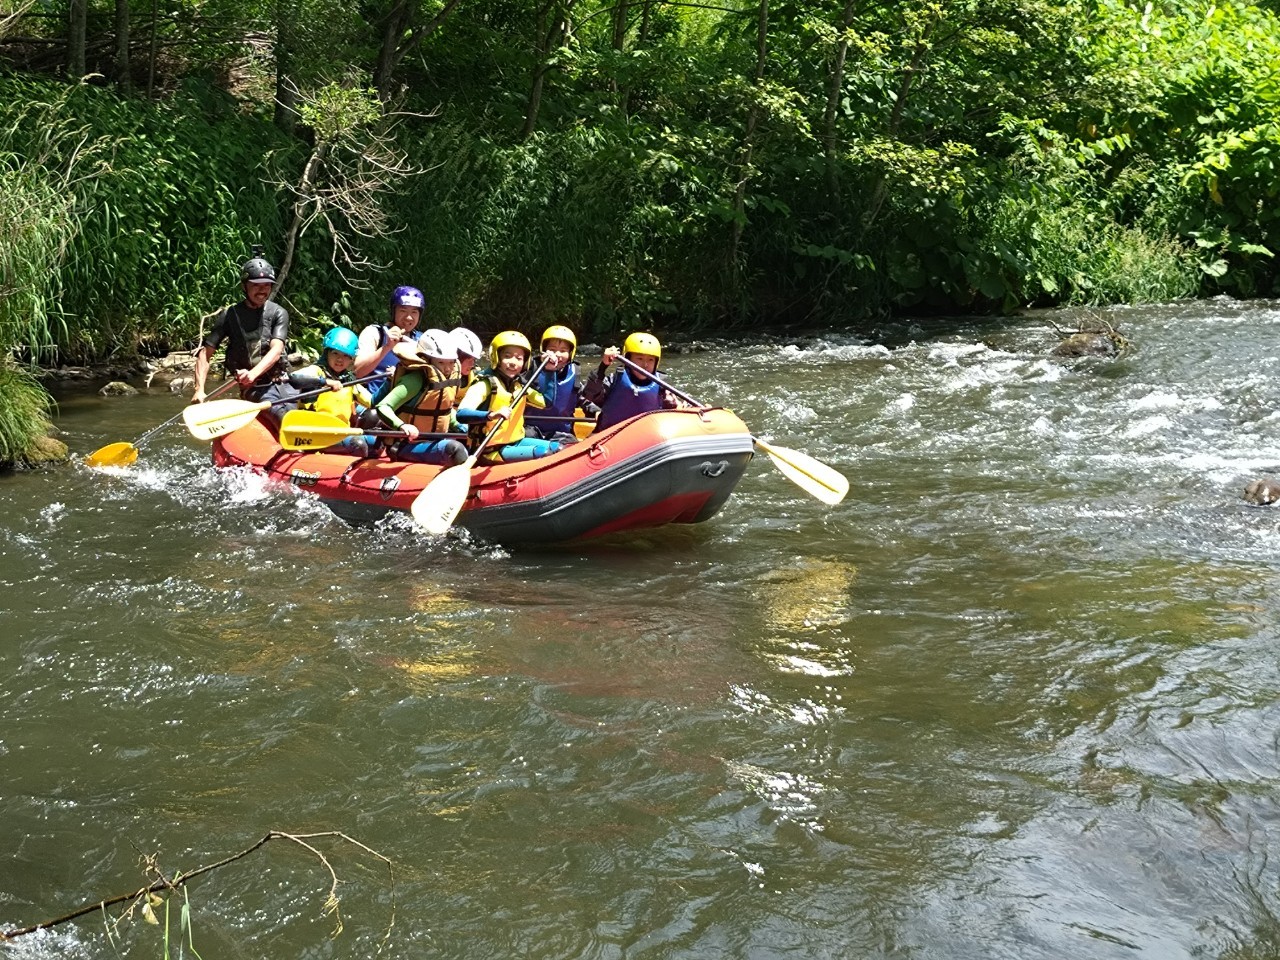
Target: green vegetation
x,y
24,415
640,162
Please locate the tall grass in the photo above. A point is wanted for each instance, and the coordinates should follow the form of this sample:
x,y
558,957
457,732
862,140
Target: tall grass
x,y
158,203
36,224
24,412
1078,253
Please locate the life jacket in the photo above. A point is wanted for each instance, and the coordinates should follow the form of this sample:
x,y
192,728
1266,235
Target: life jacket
x,y
500,394
430,409
337,403
627,398
559,389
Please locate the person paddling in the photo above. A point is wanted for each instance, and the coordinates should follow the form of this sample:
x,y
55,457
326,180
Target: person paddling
x,y
334,370
489,400
558,384
420,400
255,329
624,393
378,341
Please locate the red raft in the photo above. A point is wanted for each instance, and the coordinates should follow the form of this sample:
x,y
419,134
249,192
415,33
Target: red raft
x,y
670,466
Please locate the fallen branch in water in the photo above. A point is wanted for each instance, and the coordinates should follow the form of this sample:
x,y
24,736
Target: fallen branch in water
x,y
331,903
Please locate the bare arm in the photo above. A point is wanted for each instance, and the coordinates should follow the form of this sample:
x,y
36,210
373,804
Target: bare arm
x,y
269,360
369,354
204,357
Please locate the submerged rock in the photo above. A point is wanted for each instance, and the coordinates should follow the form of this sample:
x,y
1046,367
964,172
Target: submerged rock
x,y
118,388
1263,492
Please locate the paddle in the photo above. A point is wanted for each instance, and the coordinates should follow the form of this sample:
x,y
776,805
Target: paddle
x,y
812,476
124,453
437,506
314,430
211,419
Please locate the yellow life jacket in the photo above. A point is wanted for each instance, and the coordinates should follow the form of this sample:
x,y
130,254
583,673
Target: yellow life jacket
x,y
431,409
499,396
337,403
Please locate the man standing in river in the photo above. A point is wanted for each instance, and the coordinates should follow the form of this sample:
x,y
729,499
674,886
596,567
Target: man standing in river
x,y
255,329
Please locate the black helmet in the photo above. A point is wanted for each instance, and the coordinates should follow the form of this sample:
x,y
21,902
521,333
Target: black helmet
x,y
257,268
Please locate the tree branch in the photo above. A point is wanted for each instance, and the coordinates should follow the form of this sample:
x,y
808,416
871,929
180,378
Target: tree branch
x,y
163,884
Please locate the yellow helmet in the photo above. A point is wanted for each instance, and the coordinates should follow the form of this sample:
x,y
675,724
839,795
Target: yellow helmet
x,y
643,343
509,338
559,331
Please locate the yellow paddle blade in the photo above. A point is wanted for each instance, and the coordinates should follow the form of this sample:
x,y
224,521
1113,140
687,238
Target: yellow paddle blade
x,y
812,476
213,418
437,506
113,455
312,420
312,430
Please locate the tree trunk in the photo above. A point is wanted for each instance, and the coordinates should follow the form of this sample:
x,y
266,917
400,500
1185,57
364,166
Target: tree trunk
x,y
646,19
548,40
395,48
305,191
77,24
748,141
834,89
397,21
286,112
881,191
123,80
151,53
621,12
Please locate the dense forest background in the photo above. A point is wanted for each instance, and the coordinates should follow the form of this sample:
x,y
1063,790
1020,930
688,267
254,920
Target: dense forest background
x,y
695,166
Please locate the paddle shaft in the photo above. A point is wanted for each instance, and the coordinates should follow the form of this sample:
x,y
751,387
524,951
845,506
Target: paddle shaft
x,y
309,395
437,506
358,432
811,475
662,383
227,385
524,388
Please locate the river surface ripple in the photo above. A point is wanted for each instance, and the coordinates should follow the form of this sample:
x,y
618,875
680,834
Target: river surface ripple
x,y
1016,697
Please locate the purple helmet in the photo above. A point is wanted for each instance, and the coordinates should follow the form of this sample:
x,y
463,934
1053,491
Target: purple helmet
x,y
407,297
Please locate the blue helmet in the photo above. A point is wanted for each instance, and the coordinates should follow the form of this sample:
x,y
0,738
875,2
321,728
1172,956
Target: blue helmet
x,y
407,297
342,340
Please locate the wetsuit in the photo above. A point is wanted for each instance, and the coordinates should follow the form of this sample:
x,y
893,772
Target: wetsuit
x,y
249,333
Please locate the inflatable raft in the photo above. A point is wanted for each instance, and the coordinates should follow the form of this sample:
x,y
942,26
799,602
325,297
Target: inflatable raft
x,y
669,466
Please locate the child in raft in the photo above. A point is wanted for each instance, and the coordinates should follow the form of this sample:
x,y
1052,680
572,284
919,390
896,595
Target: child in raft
x,y
470,350
558,384
334,370
419,400
623,393
378,341
489,399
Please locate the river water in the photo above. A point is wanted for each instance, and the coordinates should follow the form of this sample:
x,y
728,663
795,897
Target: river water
x,y
1015,697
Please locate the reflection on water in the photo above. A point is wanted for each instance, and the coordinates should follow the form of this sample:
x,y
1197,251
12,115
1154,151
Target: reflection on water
x,y
1016,697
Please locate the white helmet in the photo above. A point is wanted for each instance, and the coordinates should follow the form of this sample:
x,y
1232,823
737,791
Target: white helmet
x,y
437,344
467,342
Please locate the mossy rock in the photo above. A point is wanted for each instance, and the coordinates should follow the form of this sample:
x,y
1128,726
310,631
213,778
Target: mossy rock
x,y
118,388
43,452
